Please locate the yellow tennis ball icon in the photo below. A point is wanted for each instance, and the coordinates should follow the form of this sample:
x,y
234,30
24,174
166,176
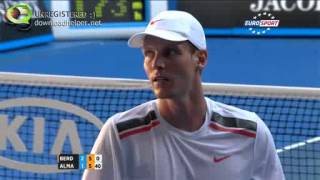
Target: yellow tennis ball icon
x,y
20,13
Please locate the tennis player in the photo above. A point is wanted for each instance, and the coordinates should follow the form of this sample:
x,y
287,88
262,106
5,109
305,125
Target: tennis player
x,y
182,135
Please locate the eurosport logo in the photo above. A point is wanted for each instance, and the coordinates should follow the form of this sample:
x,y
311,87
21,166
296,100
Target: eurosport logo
x,y
11,135
19,15
261,23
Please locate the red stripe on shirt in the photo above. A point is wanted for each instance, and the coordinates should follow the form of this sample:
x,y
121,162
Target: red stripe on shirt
x,y
231,130
140,130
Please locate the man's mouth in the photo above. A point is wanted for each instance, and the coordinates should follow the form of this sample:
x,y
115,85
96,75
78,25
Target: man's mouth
x,y
160,79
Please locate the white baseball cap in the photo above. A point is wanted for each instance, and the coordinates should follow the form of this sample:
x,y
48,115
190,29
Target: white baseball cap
x,y
172,26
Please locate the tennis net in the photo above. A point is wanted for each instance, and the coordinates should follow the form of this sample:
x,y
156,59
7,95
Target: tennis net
x,y
42,116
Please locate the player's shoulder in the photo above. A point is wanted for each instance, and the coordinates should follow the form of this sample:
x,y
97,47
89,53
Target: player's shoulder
x,y
139,116
233,118
143,110
232,111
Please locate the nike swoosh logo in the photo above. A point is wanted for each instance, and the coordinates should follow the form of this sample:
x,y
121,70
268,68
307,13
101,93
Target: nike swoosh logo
x,y
153,22
220,159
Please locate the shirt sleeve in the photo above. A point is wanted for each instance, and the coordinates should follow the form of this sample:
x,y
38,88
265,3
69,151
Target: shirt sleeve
x,y
267,164
106,144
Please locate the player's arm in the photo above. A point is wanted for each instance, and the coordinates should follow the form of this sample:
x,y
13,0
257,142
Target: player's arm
x,y
267,164
106,144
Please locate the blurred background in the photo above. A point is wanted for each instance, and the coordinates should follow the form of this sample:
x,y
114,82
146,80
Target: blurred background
x,y
253,42
96,44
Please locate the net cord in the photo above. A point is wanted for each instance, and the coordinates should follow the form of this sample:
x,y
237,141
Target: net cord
x,y
119,83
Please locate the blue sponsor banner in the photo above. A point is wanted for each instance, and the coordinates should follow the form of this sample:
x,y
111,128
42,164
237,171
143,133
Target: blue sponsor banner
x,y
48,124
39,123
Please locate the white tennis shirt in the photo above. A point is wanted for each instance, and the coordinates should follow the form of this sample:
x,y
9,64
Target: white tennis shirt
x,y
231,144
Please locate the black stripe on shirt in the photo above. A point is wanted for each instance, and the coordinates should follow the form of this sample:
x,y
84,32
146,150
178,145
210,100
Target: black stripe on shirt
x,y
232,122
136,122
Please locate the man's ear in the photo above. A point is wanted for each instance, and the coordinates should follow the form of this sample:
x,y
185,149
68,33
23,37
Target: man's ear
x,y
201,58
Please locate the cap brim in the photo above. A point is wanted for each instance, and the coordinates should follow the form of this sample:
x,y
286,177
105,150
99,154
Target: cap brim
x,y
136,40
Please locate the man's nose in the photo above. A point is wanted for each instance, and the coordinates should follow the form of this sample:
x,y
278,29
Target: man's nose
x,y
159,62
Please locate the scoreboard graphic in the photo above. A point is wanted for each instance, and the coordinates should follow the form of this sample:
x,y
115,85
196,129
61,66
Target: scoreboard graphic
x,y
80,161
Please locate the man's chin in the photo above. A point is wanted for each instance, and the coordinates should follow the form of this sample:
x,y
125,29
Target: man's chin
x,y
162,95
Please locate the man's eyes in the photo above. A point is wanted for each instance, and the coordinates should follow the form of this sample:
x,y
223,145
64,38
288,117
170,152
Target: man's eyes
x,y
171,52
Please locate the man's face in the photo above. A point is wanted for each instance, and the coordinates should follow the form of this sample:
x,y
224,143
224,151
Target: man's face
x,y
170,67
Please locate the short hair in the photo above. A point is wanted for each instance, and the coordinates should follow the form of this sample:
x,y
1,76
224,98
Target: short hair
x,y
192,47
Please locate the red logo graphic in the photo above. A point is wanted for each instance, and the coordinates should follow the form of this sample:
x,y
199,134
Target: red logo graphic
x,y
153,22
218,159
